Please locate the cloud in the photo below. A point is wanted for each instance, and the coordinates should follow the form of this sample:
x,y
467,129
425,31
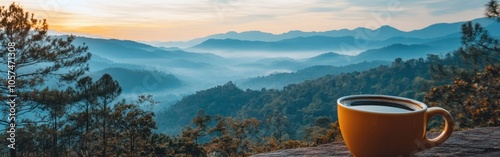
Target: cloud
x,y
435,7
441,7
324,9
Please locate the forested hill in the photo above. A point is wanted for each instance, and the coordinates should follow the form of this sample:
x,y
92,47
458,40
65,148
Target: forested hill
x,y
303,103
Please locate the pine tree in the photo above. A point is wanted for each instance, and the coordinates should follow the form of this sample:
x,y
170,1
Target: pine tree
x,y
83,120
493,10
56,102
35,61
106,91
132,128
277,125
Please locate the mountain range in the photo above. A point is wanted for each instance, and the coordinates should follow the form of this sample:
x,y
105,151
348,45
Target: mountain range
x,y
380,34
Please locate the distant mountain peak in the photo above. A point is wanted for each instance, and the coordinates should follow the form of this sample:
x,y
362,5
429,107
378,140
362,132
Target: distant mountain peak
x,y
231,32
253,31
294,31
328,55
325,56
387,27
360,28
332,54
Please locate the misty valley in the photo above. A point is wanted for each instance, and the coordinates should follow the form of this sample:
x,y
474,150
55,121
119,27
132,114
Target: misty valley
x,y
171,73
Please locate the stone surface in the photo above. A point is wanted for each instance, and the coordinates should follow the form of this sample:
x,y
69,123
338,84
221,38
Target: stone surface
x,y
474,142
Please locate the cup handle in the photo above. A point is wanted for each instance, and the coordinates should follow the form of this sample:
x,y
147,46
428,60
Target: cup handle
x,y
448,126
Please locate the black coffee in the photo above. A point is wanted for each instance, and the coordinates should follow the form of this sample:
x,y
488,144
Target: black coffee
x,y
381,106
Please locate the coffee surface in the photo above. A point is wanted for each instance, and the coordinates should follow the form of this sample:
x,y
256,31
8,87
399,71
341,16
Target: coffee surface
x,y
382,109
380,106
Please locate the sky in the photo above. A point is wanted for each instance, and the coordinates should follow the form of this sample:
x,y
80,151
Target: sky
x,y
182,20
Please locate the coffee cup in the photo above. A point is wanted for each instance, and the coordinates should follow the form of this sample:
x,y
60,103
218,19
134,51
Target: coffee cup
x,y
382,125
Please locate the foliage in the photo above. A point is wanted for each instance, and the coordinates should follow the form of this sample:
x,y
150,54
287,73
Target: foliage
x,y
323,132
233,137
473,103
493,10
237,137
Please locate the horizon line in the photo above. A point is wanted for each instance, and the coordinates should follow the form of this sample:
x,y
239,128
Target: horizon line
x,y
86,35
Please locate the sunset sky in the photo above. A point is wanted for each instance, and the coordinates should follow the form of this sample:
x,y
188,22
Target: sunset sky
x,y
178,20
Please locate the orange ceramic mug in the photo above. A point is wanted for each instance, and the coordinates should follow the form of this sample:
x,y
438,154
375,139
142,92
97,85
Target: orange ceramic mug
x,y
381,125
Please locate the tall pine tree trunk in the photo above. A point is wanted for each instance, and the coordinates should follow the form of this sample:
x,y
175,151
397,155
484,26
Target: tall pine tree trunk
x,y
55,152
86,147
104,129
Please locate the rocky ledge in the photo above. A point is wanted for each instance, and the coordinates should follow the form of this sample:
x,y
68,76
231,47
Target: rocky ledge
x,y
473,142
